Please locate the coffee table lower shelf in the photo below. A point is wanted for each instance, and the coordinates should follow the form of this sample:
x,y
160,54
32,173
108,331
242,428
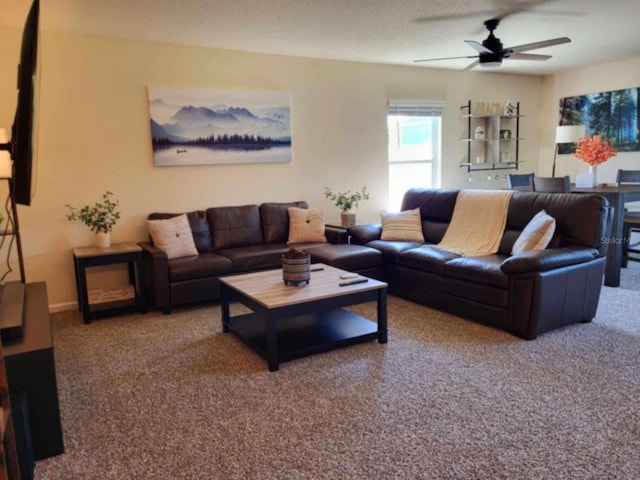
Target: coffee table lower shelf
x,y
305,334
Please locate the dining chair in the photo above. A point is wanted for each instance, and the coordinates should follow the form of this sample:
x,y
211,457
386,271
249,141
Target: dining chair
x,y
552,184
631,219
522,182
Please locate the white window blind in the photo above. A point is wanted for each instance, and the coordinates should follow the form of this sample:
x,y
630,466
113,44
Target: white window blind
x,y
409,108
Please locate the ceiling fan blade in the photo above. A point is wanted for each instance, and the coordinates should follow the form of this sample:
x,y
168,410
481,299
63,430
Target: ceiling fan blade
x,y
535,45
472,65
527,56
478,46
444,58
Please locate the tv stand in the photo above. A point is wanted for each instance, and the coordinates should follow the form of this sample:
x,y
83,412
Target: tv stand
x,y
30,367
11,310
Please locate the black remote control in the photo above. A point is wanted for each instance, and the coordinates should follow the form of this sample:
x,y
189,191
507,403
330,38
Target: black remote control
x,y
353,282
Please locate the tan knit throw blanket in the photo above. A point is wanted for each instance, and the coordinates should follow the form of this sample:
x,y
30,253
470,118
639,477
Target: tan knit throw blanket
x,y
478,222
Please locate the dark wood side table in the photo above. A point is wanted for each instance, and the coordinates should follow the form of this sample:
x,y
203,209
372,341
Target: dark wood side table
x,y
103,304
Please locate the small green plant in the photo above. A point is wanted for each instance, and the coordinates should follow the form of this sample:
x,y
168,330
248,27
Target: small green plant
x,y
100,217
345,201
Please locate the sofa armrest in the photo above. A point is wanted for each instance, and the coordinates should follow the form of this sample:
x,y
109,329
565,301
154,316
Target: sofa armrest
x,y
336,236
544,260
362,234
156,273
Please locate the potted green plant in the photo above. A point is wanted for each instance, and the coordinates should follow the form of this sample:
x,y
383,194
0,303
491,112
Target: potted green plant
x,y
345,201
99,217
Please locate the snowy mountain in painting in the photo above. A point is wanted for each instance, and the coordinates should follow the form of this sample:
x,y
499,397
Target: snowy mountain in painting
x,y
190,122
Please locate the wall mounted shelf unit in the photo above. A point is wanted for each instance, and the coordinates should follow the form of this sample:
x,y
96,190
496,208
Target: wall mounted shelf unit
x,y
500,147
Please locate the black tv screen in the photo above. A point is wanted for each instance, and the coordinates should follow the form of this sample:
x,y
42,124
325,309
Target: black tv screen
x,y
22,132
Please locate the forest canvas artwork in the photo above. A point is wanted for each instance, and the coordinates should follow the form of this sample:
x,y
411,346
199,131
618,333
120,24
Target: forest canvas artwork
x,y
612,115
203,127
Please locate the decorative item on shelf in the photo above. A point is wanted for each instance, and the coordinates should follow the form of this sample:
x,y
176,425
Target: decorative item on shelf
x,y
479,159
296,267
505,134
509,109
479,108
478,133
497,109
504,156
594,151
100,218
345,201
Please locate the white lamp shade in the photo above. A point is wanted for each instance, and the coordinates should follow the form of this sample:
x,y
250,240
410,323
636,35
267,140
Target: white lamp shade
x,y
569,133
5,164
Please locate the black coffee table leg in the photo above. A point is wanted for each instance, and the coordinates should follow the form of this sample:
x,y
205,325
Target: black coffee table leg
x,y
224,306
382,315
272,343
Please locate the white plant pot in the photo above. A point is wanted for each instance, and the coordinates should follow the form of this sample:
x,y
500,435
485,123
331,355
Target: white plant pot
x,y
103,240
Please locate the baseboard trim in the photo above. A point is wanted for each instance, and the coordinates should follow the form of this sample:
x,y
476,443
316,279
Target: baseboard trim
x,y
62,307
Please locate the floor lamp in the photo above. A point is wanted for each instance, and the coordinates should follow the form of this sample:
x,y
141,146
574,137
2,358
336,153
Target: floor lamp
x,y
566,134
11,229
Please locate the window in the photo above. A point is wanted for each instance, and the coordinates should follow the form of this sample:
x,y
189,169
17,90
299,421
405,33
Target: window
x,y
414,148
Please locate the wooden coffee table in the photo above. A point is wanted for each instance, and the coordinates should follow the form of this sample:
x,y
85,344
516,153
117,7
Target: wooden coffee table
x,y
290,322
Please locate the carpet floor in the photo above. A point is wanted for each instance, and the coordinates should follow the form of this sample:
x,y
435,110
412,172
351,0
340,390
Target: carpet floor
x,y
163,397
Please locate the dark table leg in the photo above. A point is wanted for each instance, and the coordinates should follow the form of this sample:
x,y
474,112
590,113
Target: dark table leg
x,y
272,343
614,249
382,315
224,306
83,294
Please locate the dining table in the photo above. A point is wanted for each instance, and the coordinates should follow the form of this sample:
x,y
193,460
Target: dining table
x,y
617,195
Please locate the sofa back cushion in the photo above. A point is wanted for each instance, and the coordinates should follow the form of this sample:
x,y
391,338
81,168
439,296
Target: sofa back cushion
x,y
436,209
235,226
581,219
199,228
275,220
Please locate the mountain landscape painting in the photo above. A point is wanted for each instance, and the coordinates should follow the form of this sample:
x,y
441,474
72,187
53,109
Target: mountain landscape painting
x,y
204,127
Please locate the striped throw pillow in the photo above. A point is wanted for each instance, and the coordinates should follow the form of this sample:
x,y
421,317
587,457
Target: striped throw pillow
x,y
404,226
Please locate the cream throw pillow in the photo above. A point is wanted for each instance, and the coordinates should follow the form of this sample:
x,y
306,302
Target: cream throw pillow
x,y
306,225
536,235
404,226
173,235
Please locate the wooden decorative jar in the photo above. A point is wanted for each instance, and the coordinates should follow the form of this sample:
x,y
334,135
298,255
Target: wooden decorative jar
x,y
296,268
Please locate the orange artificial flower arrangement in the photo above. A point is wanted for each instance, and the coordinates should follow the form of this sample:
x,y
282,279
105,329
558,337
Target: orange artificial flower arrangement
x,y
595,150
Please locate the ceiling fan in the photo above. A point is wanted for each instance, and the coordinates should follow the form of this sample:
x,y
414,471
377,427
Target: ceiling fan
x,y
491,52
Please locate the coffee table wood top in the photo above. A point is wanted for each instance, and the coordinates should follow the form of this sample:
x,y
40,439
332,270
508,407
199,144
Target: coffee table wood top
x,y
269,290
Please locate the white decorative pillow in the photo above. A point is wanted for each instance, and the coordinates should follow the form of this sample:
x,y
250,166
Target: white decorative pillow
x,y
405,226
536,235
173,235
306,225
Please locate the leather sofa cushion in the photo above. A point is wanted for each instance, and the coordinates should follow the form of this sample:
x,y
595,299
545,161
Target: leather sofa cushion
x,y
199,228
255,257
202,266
485,269
392,250
426,258
233,227
435,204
346,256
275,220
580,218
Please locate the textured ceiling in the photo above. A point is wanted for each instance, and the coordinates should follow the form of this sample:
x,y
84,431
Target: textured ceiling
x,y
378,31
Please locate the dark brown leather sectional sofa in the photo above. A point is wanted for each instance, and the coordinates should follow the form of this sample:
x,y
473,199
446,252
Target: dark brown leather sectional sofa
x,y
235,239
525,294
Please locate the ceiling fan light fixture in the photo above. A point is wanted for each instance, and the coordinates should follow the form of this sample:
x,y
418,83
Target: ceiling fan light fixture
x,y
489,60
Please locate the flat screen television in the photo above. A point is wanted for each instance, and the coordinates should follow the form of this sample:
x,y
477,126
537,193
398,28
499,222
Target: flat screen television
x,y
23,131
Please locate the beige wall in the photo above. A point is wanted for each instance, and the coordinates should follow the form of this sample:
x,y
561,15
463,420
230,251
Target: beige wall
x,y
600,78
95,135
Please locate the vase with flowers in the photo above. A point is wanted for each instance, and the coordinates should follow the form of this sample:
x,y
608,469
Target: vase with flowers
x,y
594,151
